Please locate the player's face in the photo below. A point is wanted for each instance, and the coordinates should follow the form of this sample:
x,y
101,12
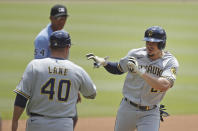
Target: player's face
x,y
152,49
58,23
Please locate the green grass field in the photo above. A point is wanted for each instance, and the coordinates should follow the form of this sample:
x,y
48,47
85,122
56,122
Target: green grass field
x,y
107,29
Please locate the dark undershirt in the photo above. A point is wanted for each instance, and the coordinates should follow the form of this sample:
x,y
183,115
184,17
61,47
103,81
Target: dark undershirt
x,y
112,67
20,101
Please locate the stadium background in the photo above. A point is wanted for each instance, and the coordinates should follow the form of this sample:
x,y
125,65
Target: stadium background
x,y
107,28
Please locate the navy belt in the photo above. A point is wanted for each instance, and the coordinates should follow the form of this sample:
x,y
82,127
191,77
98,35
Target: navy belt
x,y
143,108
35,114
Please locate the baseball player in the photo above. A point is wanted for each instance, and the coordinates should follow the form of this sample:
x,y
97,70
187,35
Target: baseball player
x,y
58,18
151,71
51,87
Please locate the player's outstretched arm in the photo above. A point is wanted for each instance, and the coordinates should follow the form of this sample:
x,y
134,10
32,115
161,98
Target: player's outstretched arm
x,y
111,67
98,61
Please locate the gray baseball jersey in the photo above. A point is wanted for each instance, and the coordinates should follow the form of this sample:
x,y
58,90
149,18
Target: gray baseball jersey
x,y
138,91
52,86
135,88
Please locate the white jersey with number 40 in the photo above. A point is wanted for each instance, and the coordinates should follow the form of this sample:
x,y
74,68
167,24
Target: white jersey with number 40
x,y
52,86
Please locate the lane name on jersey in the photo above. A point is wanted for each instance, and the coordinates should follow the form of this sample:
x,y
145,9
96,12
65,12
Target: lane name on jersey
x,y
57,70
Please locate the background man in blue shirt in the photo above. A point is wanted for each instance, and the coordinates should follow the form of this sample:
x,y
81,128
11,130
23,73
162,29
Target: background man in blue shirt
x,y
58,17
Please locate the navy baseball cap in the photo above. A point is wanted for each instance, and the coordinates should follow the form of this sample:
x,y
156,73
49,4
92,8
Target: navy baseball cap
x,y
58,10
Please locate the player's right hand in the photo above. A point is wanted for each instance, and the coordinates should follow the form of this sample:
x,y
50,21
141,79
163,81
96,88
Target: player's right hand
x,y
98,61
133,66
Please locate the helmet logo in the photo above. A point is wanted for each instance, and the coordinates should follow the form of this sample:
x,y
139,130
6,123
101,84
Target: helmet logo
x,y
150,33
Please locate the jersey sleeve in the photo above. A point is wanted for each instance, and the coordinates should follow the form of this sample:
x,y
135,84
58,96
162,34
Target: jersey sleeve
x,y
87,87
123,62
171,70
41,47
25,84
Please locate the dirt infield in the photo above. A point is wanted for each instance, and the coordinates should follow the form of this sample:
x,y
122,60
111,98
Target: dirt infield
x,y
172,123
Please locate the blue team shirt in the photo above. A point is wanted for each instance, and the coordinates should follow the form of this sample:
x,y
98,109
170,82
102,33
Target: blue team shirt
x,y
41,43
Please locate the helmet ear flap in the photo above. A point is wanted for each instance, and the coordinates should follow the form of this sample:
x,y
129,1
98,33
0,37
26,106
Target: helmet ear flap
x,y
161,45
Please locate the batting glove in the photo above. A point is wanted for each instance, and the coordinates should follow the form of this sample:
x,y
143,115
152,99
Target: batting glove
x,y
98,61
163,113
133,66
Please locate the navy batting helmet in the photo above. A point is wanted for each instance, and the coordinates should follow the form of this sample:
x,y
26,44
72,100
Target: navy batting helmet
x,y
156,34
60,39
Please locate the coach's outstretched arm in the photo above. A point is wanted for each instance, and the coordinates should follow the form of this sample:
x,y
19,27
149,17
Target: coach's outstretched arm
x,y
111,67
87,87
